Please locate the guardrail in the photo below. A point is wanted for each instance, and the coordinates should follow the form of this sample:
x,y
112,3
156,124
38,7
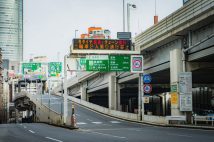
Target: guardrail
x,y
204,119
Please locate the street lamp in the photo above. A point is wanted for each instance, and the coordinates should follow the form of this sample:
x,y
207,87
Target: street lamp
x,y
128,14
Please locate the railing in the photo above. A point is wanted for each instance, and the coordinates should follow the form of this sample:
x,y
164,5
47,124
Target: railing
x,y
175,20
204,119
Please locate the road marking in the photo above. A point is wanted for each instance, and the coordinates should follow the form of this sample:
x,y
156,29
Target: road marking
x,y
89,120
179,135
115,122
77,115
25,127
81,123
31,131
53,139
97,122
109,135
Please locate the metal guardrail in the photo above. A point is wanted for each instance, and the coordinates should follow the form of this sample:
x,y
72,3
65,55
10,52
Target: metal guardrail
x,y
204,119
175,20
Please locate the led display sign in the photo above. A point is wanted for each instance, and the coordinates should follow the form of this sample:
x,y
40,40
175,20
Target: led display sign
x,y
101,44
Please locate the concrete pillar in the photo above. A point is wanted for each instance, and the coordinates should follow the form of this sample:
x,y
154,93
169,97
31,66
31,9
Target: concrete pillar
x,y
83,93
112,97
118,98
175,68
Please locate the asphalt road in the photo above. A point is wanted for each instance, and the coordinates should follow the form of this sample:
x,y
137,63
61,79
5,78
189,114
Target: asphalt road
x,y
95,127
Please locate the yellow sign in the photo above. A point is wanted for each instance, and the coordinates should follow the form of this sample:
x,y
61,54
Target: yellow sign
x,y
146,100
174,98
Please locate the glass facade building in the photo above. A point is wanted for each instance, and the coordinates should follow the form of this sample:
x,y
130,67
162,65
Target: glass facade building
x,y
11,29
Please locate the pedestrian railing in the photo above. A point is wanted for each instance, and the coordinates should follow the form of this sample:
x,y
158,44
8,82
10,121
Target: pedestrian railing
x,y
204,119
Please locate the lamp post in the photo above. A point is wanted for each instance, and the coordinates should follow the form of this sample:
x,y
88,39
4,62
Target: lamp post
x,y
123,15
128,15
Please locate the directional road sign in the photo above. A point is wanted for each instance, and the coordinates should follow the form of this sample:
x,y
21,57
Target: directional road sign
x,y
147,78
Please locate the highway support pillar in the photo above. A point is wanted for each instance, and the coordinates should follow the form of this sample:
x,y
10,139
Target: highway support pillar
x,y
112,92
175,68
83,93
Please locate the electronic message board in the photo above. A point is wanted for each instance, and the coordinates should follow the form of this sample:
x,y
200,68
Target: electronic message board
x,y
101,44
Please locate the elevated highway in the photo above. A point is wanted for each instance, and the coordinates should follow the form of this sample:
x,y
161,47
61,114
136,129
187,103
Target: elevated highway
x,y
181,42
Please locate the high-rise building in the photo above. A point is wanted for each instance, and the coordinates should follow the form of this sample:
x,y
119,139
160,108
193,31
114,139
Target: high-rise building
x,y
11,29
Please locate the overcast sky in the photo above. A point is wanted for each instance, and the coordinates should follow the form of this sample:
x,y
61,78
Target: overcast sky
x,y
49,25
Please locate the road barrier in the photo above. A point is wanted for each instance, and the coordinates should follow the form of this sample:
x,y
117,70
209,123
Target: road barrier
x,y
107,111
203,119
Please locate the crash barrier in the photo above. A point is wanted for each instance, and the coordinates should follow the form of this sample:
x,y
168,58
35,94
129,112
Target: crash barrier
x,y
204,119
179,119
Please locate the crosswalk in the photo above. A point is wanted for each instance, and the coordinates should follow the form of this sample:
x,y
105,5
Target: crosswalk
x,y
97,123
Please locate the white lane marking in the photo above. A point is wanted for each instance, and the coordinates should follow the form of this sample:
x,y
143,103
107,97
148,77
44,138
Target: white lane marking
x,y
109,135
25,127
31,131
77,115
115,122
53,139
97,122
81,123
179,135
89,120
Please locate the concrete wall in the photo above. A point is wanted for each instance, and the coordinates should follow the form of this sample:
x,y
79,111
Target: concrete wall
x,y
46,115
114,113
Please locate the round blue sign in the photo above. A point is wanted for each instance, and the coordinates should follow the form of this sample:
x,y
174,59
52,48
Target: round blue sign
x,y
147,78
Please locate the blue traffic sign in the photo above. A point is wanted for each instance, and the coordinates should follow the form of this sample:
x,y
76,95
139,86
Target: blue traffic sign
x,y
147,78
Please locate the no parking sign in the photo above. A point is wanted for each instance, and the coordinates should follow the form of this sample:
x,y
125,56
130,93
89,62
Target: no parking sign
x,y
147,88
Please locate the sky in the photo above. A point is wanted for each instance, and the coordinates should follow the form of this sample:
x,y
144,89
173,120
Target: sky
x,y
49,25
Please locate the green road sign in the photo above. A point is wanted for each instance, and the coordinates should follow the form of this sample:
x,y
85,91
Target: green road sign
x,y
97,65
119,63
55,69
28,68
108,63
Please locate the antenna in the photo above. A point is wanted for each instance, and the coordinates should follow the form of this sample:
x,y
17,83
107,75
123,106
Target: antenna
x,y
155,7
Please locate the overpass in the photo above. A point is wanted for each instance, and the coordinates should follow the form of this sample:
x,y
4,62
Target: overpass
x,y
181,42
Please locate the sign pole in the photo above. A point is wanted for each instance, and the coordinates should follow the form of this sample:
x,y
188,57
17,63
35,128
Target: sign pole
x,y
142,95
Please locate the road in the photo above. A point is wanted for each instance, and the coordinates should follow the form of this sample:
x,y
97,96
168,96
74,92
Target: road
x,y
95,127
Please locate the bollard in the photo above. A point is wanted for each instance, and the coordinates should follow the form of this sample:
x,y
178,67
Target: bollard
x,y
73,117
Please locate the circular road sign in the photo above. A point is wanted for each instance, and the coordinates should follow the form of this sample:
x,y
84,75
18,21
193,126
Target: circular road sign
x,y
147,88
147,78
137,64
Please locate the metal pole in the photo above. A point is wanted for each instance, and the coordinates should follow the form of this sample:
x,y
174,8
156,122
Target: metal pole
x,y
76,33
65,96
128,18
62,99
123,15
49,103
